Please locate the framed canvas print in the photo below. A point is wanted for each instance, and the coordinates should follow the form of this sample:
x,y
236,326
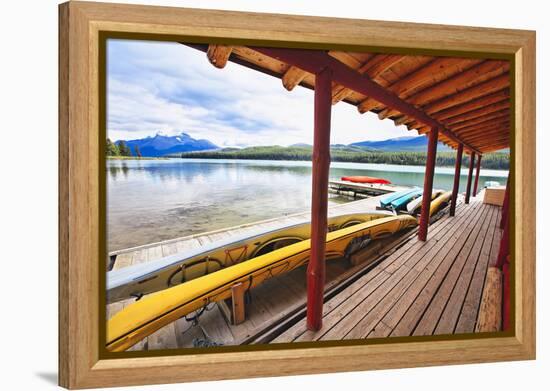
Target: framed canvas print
x,y
275,194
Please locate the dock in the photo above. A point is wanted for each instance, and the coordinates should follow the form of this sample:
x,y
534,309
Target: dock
x,y
361,190
402,287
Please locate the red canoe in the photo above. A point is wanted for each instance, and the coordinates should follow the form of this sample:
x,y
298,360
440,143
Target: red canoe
x,y
365,179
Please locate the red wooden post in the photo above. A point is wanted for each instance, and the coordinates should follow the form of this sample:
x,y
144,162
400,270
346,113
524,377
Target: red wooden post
x,y
504,249
470,172
505,205
478,167
456,184
506,296
428,185
319,200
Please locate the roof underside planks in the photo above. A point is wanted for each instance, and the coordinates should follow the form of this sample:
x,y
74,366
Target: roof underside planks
x,y
467,98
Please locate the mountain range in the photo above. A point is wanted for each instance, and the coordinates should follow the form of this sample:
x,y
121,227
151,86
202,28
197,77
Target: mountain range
x,y
161,145
400,144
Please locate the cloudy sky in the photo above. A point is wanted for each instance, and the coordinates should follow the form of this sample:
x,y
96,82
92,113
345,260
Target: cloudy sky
x,y
171,88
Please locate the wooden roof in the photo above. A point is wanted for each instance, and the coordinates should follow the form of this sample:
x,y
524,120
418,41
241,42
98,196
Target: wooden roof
x,y
469,97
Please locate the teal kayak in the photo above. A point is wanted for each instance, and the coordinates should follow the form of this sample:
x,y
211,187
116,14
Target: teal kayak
x,y
386,201
402,201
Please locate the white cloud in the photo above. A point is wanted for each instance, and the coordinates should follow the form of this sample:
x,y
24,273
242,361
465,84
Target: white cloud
x,y
170,87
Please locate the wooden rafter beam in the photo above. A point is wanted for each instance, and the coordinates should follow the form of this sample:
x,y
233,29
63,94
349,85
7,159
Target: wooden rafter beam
x,y
428,74
495,130
476,138
499,123
477,113
493,148
487,142
315,61
487,118
504,121
218,55
500,96
493,143
372,68
477,91
401,120
505,143
472,76
292,77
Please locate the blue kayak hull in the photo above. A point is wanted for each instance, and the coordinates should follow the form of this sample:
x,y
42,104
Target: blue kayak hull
x,y
402,202
386,201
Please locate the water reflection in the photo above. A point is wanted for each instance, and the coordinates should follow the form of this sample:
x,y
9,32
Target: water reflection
x,y
152,200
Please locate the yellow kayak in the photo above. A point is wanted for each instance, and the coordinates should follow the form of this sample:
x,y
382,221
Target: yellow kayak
x,y
145,278
439,201
154,311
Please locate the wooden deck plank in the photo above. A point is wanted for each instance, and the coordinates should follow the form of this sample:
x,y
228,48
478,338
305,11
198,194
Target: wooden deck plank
x,y
430,318
186,333
455,304
490,316
468,315
375,277
416,263
165,338
423,287
422,272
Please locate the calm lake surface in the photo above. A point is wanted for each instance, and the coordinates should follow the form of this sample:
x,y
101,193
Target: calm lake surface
x,y
153,200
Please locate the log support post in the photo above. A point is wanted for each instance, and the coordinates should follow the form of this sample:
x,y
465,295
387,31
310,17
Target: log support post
x,y
428,185
478,168
505,205
470,172
503,262
238,311
319,201
456,184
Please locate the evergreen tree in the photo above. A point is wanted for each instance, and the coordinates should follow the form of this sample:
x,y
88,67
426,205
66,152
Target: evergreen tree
x,y
111,148
137,152
123,149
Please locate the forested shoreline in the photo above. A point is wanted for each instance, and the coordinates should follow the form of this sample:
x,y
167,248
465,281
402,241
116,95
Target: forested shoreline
x,y
497,161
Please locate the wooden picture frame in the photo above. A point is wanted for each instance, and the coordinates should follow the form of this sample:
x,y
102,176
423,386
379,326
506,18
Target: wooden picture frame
x,y
81,363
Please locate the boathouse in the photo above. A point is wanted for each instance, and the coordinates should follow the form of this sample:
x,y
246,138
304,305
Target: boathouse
x,y
449,277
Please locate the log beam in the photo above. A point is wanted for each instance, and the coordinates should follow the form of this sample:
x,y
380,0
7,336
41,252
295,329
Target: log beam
x,y
218,55
428,185
503,124
499,96
484,119
478,168
477,113
490,86
428,74
505,204
473,76
319,198
372,68
292,77
456,183
469,183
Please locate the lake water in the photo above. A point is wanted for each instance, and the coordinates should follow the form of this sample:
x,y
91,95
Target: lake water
x,y
153,200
